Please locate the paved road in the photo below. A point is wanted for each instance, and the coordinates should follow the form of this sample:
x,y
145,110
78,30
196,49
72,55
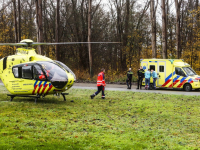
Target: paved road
x,y
121,87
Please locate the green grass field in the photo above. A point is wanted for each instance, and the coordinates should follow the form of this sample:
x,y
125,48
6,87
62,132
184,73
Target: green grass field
x,y
125,120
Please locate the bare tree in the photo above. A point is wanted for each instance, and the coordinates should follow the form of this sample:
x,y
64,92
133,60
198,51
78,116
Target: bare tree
x,y
39,23
89,35
125,38
118,5
164,31
19,21
178,39
153,9
198,13
15,20
57,30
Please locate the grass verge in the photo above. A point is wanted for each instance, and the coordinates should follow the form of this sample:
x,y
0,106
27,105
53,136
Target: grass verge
x,y
124,120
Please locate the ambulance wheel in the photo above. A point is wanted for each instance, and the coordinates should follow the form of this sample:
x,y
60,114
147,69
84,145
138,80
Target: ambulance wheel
x,y
187,87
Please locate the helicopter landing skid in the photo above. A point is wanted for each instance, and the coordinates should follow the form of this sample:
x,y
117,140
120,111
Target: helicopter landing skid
x,y
63,94
12,96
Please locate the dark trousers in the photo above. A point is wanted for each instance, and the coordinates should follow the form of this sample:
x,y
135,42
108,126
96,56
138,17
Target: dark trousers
x,y
154,82
147,83
99,89
128,82
139,82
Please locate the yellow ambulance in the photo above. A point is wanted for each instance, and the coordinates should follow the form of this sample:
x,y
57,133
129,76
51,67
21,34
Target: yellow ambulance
x,y
172,73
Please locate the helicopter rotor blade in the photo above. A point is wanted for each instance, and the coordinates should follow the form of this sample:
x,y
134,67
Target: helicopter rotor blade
x,y
63,43
14,44
30,43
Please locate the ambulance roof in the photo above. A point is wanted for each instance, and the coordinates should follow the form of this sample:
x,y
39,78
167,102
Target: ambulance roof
x,y
155,59
181,64
175,62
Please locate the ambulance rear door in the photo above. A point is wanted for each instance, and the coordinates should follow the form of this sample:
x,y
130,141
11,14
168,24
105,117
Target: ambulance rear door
x,y
152,66
161,70
144,64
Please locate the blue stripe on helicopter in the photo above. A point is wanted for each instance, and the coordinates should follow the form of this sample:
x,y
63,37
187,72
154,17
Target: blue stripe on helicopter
x,y
40,83
35,83
45,83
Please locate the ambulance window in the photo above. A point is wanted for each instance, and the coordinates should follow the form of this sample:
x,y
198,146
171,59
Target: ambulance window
x,y
27,72
161,68
179,71
189,71
152,67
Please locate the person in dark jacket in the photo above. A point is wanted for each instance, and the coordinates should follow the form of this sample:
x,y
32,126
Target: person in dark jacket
x,y
140,73
129,78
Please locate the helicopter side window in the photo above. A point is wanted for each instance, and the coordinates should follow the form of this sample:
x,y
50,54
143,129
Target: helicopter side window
x,y
15,72
27,72
38,74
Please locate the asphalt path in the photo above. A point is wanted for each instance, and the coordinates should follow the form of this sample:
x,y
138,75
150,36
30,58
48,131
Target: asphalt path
x,y
123,87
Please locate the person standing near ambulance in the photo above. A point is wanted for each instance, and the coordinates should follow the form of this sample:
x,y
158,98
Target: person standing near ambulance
x,y
154,76
140,73
147,79
100,84
129,78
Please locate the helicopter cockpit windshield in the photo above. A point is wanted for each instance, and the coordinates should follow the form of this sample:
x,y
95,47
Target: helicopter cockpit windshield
x,y
66,68
53,72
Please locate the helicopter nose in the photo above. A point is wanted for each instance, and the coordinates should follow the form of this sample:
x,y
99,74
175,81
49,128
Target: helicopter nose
x,y
60,83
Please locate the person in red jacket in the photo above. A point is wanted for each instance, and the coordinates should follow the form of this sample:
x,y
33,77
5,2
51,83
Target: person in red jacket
x,y
100,84
42,76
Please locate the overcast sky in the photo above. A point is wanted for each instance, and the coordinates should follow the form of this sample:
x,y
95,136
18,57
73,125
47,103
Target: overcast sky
x,y
142,3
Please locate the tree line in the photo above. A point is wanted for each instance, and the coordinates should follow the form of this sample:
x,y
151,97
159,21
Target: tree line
x,y
153,29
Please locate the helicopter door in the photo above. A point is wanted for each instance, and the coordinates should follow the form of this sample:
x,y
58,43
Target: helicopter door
x,y
22,83
27,72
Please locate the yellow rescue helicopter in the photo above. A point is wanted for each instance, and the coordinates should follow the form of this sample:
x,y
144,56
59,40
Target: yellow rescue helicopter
x,y
27,74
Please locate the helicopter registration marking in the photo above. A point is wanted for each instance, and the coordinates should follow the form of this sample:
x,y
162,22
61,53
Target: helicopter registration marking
x,y
42,85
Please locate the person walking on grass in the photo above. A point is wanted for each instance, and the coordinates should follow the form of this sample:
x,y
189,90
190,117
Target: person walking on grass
x,y
140,74
129,78
154,76
147,79
100,84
